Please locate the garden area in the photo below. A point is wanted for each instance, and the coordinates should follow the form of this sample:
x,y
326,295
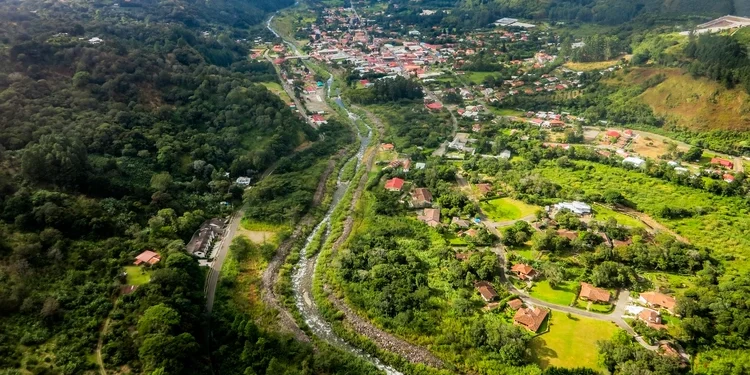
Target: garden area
x,y
571,341
503,209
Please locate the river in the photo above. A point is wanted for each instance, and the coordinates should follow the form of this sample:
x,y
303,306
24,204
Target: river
x,y
304,272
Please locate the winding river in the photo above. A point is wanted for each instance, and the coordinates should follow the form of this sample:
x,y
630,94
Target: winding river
x,y
304,272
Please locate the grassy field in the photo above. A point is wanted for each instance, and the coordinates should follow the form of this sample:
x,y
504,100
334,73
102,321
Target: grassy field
x,y
602,213
728,217
571,342
137,275
562,295
589,66
505,111
276,88
478,77
502,209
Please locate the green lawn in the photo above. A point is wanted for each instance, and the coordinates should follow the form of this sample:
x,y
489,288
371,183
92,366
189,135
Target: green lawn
x,y
602,213
478,77
571,342
525,252
137,275
505,112
503,209
276,88
454,240
562,295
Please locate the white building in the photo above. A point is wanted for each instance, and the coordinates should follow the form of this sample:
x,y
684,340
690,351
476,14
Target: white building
x,y
576,207
636,162
505,154
243,181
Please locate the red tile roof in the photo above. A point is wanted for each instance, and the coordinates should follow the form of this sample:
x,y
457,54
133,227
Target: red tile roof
x,y
523,270
531,318
394,184
594,294
486,290
147,256
659,299
515,304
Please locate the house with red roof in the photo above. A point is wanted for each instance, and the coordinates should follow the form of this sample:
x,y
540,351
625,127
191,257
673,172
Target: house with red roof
x,y
593,294
318,119
486,290
386,146
658,301
434,106
613,134
394,184
530,318
523,271
722,162
147,257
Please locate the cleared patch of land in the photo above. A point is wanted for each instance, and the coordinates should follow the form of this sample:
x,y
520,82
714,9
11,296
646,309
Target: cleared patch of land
x,y
652,147
571,341
507,209
137,275
589,66
602,213
276,88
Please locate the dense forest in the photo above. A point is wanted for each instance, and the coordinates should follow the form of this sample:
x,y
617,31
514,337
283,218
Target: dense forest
x,y
124,127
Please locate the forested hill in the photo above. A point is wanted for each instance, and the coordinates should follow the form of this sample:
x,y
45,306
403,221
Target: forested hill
x,y
612,12
122,127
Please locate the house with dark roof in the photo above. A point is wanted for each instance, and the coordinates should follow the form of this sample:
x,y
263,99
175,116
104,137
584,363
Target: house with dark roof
x,y
593,294
461,223
530,318
202,240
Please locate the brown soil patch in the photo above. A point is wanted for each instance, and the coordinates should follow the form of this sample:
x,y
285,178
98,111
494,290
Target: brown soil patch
x,y
651,147
256,236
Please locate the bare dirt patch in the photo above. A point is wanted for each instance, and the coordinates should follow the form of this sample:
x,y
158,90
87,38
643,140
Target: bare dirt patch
x,y
652,147
257,236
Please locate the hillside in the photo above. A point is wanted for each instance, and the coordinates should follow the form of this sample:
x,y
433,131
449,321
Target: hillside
x,y
693,103
612,11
